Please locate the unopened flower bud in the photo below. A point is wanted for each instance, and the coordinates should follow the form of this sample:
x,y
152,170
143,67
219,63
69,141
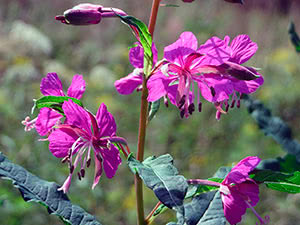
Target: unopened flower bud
x,y
88,14
82,14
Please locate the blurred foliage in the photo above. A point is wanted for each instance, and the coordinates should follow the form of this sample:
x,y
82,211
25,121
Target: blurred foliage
x,y
32,43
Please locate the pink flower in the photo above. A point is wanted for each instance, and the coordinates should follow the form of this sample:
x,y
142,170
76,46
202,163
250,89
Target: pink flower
x,y
239,192
134,80
239,51
184,68
213,67
51,85
83,134
88,14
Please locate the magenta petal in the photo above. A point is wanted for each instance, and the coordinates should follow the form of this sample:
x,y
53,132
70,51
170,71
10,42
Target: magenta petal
x,y
222,87
111,160
247,87
51,85
234,207
186,44
249,189
128,84
61,140
136,55
98,171
216,51
47,118
242,49
241,171
77,116
106,122
158,85
77,87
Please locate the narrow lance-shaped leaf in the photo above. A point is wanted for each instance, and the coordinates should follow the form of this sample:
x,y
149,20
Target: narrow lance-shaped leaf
x,y
54,102
144,37
289,183
35,189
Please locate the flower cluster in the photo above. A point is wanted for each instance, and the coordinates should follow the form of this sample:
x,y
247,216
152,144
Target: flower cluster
x,y
77,131
213,69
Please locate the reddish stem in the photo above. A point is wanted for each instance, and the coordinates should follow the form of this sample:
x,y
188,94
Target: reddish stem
x,y
142,127
152,212
153,16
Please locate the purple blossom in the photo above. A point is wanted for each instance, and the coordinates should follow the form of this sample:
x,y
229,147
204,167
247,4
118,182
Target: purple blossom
x,y
185,63
134,80
239,192
82,135
88,14
51,85
213,67
239,51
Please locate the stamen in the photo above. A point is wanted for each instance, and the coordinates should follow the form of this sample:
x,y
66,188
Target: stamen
x,y
262,221
200,106
79,175
226,106
213,92
238,104
72,168
65,159
88,163
29,125
182,113
191,108
181,102
82,172
218,115
166,101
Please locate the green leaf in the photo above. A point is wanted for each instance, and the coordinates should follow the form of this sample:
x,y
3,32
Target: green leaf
x,y
162,177
144,37
54,102
294,37
289,183
153,109
34,189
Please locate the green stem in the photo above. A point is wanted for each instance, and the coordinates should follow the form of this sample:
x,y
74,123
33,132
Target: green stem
x,y
142,127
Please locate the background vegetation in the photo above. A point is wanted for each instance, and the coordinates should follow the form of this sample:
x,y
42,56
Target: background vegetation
x,y
32,43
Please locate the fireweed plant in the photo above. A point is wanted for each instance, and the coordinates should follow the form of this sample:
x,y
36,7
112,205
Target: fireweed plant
x,y
190,72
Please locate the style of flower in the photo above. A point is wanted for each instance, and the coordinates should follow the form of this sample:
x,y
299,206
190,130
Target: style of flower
x,y
213,67
88,14
134,80
51,85
83,134
239,192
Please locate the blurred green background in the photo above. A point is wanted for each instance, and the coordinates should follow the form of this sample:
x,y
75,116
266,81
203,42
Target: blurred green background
x,y
32,44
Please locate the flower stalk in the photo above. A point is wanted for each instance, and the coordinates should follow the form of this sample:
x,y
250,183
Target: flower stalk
x,y
142,126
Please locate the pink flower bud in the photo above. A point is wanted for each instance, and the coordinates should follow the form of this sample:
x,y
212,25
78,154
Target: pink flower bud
x,y
82,14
